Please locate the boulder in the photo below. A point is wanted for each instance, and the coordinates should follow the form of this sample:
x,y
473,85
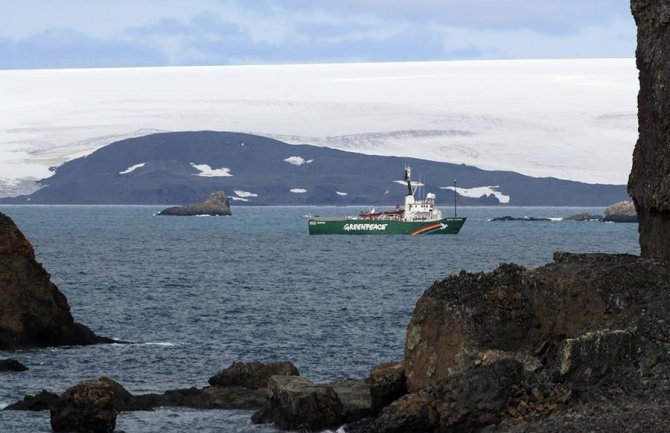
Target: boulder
x,y
387,384
477,398
252,375
216,205
85,408
354,394
649,181
209,397
593,354
295,403
38,402
621,212
12,365
411,413
529,312
33,312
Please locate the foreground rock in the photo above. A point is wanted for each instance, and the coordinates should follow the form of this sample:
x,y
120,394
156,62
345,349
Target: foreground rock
x,y
387,384
295,403
649,182
33,312
253,375
85,408
621,212
533,312
538,349
11,365
216,205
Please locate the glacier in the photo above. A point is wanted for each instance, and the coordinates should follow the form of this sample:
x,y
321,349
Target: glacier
x,y
570,119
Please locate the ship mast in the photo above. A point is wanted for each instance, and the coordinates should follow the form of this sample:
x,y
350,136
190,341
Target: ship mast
x,y
408,175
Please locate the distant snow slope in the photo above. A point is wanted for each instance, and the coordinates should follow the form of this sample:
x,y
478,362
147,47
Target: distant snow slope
x,y
572,119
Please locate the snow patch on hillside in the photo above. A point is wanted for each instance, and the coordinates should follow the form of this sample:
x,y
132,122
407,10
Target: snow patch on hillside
x,y
298,190
207,171
480,191
298,160
245,194
132,168
404,182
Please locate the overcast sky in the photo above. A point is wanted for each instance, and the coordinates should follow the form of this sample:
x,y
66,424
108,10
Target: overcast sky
x,y
117,33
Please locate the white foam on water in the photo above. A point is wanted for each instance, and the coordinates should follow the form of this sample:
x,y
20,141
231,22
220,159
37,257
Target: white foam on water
x,y
298,190
341,193
238,198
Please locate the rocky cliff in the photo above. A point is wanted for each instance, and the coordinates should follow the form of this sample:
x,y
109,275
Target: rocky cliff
x,y
649,182
33,312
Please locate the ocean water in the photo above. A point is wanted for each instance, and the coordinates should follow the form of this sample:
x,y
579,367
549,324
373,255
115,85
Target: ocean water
x,y
194,294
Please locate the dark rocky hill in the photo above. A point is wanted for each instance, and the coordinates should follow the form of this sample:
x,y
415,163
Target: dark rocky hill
x,y
171,167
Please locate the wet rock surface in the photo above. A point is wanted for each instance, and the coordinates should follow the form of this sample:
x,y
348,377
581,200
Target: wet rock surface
x,y
387,384
252,374
33,312
295,403
38,402
621,212
85,408
216,205
11,365
649,181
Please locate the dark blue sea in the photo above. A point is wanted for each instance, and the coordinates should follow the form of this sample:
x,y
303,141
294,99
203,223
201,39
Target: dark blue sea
x,y
194,294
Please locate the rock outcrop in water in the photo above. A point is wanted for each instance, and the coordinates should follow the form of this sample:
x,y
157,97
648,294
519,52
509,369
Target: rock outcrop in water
x,y
33,312
649,182
621,212
216,205
85,408
11,365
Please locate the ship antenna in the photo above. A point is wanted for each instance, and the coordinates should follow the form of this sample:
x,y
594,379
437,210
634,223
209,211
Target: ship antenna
x,y
455,195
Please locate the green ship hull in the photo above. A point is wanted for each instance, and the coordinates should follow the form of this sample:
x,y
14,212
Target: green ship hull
x,y
343,226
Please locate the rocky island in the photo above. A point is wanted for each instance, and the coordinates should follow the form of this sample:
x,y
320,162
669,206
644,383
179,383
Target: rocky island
x,y
216,205
33,312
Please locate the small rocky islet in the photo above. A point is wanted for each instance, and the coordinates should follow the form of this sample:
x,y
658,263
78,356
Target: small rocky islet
x,y
621,212
217,204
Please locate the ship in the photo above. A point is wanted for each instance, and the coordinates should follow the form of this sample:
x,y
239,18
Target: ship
x,y
417,217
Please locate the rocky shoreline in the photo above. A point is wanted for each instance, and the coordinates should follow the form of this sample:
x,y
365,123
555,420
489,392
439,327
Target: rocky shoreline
x,y
562,347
